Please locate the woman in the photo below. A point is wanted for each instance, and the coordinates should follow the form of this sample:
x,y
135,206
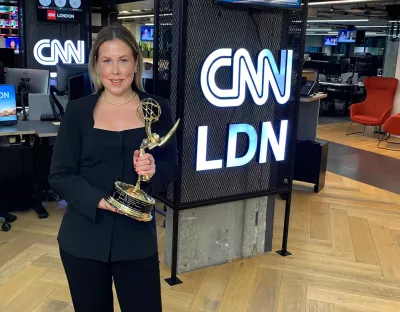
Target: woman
x,y
97,144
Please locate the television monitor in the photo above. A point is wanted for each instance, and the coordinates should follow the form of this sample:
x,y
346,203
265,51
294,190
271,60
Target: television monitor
x,y
59,11
8,105
4,9
12,43
330,41
347,36
292,4
38,79
147,33
66,71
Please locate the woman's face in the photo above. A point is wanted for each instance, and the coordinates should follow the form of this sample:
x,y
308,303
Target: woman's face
x,y
116,66
12,44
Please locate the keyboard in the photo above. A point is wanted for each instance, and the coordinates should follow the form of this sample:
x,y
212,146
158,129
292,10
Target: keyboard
x,y
48,117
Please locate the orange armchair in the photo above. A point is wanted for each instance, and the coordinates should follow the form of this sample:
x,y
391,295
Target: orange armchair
x,y
391,126
377,107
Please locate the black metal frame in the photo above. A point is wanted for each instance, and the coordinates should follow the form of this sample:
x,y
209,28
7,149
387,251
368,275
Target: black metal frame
x,y
382,138
176,206
284,252
347,132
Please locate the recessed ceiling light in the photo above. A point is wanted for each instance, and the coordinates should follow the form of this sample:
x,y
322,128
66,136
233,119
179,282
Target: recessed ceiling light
x,y
318,34
319,29
338,2
134,16
365,26
337,21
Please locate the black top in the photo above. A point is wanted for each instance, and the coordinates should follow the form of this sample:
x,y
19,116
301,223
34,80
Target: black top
x,y
85,164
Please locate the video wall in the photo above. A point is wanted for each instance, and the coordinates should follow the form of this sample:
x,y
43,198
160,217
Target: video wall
x,y
9,27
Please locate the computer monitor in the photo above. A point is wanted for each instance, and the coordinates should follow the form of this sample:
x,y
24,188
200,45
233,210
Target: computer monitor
x,y
79,86
345,64
317,56
332,70
38,79
66,71
365,69
8,105
319,66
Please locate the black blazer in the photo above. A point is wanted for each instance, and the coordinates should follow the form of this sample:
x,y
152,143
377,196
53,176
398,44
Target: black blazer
x,y
85,164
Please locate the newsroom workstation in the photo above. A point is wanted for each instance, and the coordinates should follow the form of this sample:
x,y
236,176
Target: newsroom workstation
x,y
43,51
30,111
339,68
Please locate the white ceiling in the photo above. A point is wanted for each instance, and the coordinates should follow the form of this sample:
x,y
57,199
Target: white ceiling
x,y
139,5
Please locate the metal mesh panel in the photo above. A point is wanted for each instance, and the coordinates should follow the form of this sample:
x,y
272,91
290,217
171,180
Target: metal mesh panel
x,y
167,72
210,27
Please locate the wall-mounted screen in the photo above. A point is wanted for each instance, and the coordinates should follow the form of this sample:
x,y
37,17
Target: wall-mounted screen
x,y
293,4
4,9
5,23
330,41
347,36
60,11
12,43
147,33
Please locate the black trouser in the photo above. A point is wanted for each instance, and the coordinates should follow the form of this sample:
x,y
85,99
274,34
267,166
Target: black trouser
x,y
137,283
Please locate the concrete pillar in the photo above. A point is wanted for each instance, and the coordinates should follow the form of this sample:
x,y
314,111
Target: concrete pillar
x,y
392,69
218,234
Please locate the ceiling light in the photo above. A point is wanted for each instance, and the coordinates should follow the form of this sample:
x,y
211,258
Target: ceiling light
x,y
338,21
149,24
124,12
319,29
333,32
319,34
374,34
135,16
338,2
365,26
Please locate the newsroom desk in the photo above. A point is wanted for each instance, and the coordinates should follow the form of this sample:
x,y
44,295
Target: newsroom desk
x,y
27,155
343,91
311,154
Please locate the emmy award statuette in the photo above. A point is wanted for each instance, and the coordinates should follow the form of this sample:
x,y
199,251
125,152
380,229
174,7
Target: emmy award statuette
x,y
131,200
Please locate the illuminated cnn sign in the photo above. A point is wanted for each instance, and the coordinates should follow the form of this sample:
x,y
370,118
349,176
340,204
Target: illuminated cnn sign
x,y
245,74
258,81
58,52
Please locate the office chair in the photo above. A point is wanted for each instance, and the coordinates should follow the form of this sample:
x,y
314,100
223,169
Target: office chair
x,y
377,106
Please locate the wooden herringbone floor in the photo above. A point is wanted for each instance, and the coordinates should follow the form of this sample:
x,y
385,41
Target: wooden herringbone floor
x,y
367,141
346,258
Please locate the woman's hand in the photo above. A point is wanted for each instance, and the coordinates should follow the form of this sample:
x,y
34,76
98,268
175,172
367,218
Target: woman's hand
x,y
103,204
144,165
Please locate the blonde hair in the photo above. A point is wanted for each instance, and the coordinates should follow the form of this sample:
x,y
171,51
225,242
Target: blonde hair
x,y
109,33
